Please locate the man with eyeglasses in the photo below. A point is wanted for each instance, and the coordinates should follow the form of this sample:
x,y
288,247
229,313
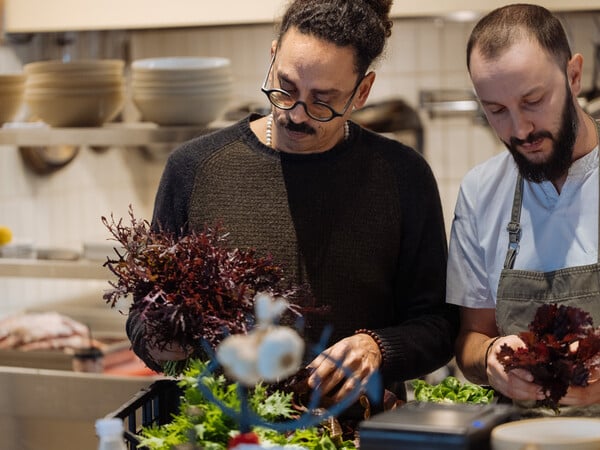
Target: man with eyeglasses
x,y
352,214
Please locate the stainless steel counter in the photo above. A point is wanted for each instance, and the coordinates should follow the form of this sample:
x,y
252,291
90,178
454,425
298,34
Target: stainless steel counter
x,y
56,410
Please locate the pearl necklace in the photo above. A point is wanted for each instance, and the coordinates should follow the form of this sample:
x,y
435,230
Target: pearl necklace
x,y
269,133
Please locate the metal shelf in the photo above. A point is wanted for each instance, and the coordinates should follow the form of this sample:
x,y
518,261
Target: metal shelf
x,y
35,268
113,134
449,102
46,149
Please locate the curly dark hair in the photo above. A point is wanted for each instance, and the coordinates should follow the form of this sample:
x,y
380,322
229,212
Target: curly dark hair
x,y
363,24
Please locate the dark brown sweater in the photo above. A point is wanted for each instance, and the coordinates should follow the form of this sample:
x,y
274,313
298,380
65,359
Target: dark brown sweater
x,y
361,224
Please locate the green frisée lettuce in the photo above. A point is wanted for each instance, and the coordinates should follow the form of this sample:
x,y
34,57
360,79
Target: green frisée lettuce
x,y
451,390
202,423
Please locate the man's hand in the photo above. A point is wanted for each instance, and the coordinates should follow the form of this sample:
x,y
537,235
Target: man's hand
x,y
172,352
518,383
582,396
359,354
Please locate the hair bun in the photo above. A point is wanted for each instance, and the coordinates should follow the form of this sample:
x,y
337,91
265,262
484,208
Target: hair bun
x,y
382,8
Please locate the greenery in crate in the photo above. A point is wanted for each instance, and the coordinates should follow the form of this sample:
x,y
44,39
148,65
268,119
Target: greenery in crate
x,y
203,423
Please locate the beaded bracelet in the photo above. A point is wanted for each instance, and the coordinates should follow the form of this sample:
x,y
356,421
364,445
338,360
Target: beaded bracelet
x,y
487,353
377,340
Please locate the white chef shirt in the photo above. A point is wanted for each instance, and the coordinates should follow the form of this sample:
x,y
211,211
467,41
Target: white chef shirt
x,y
557,231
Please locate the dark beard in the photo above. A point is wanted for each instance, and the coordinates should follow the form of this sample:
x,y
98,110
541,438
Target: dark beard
x,y
560,158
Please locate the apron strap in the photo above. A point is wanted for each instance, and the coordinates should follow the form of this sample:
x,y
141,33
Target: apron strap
x,y
514,226
598,144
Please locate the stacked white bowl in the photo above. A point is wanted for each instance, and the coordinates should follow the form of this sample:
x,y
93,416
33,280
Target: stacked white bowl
x,y
75,93
183,90
12,87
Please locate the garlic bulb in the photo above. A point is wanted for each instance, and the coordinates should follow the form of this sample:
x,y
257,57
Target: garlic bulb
x,y
267,353
237,355
268,309
279,354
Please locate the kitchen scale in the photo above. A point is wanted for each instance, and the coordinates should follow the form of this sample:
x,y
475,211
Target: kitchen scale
x,y
434,426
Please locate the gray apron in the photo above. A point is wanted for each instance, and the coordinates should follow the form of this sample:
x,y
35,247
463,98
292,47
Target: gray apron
x,y
521,292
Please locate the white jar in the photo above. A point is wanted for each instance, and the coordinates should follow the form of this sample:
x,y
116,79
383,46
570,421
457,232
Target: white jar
x,y
110,432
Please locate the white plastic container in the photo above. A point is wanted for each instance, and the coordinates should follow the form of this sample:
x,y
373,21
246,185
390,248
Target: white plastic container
x,y
110,432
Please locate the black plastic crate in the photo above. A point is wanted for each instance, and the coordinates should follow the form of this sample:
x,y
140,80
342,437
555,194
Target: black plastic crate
x,y
153,405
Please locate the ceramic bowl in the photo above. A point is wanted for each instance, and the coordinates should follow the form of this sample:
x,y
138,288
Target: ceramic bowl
x,y
181,109
209,91
548,433
68,109
93,80
12,88
84,66
180,63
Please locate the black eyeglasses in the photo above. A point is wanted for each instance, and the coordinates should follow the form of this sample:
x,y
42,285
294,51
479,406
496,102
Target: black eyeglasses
x,y
316,110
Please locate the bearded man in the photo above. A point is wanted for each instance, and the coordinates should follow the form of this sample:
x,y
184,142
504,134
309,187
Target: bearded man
x,y
525,230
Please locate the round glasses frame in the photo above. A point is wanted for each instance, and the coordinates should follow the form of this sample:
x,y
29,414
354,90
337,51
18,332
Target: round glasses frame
x,y
273,93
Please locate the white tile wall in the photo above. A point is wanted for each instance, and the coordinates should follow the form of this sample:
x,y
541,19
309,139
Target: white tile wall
x,y
64,209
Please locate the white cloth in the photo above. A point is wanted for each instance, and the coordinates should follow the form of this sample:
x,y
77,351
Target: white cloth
x,y
558,231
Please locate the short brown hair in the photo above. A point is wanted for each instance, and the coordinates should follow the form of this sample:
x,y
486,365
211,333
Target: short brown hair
x,y
504,26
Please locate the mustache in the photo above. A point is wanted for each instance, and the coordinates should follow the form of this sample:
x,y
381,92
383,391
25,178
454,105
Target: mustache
x,y
532,137
299,127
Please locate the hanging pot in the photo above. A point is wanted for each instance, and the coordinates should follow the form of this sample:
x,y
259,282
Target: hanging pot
x,y
394,117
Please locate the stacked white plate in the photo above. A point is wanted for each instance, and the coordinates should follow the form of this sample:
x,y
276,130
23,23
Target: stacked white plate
x,y
12,87
75,93
181,90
